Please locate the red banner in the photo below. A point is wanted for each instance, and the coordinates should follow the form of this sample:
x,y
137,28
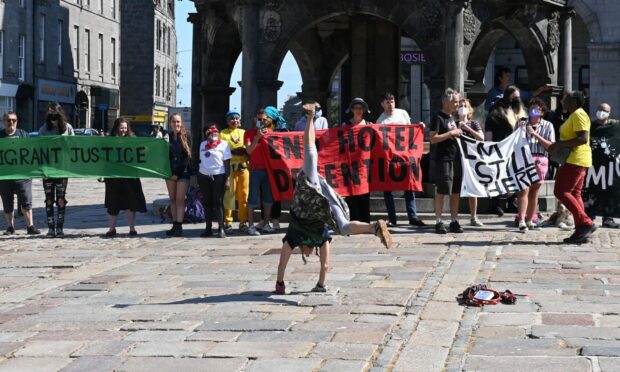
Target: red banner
x,y
354,160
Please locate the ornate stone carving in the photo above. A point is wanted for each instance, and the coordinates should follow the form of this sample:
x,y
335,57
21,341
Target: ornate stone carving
x,y
553,31
272,25
469,25
527,13
431,21
273,4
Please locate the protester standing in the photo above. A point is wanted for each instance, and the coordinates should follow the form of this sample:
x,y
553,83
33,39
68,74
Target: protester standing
x,y
320,122
259,180
22,188
123,194
472,129
574,135
359,205
180,156
393,115
213,178
239,174
500,123
503,78
540,135
55,188
603,117
446,168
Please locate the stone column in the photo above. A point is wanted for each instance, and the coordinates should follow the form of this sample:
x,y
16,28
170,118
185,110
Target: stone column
x,y
454,62
197,100
268,91
250,95
216,102
566,55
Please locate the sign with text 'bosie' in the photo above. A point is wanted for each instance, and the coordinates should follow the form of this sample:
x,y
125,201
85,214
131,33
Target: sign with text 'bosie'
x,y
83,157
354,160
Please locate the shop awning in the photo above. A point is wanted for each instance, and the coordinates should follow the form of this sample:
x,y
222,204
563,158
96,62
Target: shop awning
x,y
8,90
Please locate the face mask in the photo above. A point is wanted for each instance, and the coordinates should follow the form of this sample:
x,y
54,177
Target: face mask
x,y
535,113
318,114
259,124
602,115
463,111
214,138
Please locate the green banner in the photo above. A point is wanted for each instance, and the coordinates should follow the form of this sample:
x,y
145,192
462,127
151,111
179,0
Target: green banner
x,y
83,157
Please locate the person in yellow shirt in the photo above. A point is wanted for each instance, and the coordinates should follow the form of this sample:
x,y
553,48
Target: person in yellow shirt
x,y
239,175
574,136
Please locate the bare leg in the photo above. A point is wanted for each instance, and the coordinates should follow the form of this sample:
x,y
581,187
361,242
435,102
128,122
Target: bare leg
x,y
473,207
10,219
266,214
522,203
250,216
112,221
182,187
324,263
532,203
172,195
27,216
131,220
438,206
455,200
285,255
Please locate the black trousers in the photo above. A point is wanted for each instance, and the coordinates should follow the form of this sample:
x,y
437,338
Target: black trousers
x,y
213,188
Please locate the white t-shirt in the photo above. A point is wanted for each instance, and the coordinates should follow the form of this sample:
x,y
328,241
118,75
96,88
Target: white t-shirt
x,y
399,116
213,164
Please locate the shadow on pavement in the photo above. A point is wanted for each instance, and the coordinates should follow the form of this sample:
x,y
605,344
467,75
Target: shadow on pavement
x,y
252,296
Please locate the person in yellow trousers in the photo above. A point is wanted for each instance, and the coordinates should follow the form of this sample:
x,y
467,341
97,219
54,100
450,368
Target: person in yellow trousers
x,y
239,175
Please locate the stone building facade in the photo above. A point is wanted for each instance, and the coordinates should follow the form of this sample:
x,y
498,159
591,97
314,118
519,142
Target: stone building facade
x,y
70,55
148,63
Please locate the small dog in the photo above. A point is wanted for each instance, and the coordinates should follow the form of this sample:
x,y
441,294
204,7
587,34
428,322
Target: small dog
x,y
561,218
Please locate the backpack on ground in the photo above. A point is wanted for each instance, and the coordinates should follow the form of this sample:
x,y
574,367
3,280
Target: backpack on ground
x,y
194,210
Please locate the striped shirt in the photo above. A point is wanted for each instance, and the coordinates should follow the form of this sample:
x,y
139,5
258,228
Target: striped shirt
x,y
546,131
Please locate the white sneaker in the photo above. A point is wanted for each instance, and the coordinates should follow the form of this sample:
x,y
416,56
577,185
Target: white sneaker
x,y
275,223
267,229
531,225
252,230
475,222
522,225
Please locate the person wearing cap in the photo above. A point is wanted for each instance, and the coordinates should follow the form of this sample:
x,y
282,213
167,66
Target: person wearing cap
x,y
213,178
393,115
315,210
239,174
320,122
358,204
267,120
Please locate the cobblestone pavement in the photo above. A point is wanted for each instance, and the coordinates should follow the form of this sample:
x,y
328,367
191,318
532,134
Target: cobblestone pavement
x,y
87,303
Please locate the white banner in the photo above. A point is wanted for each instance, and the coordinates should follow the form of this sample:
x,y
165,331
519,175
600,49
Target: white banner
x,y
497,168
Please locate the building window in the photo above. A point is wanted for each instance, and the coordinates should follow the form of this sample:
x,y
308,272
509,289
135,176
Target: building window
x,y
86,3
61,27
101,6
21,58
42,39
158,34
87,51
1,54
113,9
101,53
113,64
22,3
157,81
76,47
169,45
169,92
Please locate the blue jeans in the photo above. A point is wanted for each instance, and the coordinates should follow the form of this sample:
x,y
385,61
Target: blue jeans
x,y
259,185
391,208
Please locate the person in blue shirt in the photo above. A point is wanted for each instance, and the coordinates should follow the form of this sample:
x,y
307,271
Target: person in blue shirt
x,y
503,78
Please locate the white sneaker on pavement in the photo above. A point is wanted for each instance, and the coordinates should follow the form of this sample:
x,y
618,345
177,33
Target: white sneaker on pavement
x,y
252,230
475,222
267,229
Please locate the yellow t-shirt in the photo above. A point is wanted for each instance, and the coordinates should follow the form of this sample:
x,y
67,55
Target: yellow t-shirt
x,y
234,137
578,121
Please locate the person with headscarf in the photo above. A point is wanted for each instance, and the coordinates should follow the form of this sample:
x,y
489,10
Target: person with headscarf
x,y
267,120
239,174
213,178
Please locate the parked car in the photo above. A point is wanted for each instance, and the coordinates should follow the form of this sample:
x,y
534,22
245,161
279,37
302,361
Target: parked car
x,y
86,132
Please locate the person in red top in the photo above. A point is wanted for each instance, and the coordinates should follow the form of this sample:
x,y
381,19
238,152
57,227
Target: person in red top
x,y
259,180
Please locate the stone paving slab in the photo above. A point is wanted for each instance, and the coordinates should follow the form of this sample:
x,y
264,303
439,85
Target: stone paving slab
x,y
192,304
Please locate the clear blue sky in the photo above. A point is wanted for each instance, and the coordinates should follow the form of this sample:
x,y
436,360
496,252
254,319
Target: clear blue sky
x,y
289,73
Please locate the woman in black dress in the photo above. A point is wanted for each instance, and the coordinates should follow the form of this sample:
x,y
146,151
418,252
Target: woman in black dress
x,y
123,194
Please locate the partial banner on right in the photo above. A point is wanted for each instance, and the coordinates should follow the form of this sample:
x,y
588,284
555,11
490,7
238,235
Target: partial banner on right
x,y
601,189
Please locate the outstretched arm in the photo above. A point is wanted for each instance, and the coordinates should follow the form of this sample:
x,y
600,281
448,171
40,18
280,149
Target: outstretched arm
x,y
309,135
